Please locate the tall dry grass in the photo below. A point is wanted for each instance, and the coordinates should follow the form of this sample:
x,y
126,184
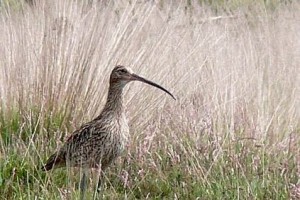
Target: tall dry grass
x,y
236,78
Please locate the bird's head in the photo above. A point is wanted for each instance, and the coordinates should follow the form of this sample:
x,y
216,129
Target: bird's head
x,y
122,75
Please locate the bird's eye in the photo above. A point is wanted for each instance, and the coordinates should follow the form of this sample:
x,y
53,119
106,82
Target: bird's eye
x,y
123,71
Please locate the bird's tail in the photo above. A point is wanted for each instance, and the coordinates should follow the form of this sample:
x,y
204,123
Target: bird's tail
x,y
55,161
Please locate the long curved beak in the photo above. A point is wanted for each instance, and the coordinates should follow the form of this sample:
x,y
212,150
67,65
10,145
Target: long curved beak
x,y
135,77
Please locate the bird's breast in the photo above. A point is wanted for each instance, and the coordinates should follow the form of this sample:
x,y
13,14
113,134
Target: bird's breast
x,y
124,133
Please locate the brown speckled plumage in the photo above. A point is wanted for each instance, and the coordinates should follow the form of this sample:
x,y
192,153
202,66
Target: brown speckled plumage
x,y
97,143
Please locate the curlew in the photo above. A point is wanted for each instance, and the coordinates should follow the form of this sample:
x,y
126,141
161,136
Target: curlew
x,y
99,142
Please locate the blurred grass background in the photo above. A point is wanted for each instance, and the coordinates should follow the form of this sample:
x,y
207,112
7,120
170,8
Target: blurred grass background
x,y
233,65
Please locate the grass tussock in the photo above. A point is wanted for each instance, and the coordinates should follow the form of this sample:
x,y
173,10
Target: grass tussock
x,y
233,132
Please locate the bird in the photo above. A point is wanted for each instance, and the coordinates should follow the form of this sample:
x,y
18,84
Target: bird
x,y
96,144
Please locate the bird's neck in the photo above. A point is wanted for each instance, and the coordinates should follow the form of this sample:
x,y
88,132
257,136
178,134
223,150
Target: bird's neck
x,y
114,103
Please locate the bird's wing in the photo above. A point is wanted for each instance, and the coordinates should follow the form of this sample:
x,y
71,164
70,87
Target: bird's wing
x,y
86,135
78,134
58,159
